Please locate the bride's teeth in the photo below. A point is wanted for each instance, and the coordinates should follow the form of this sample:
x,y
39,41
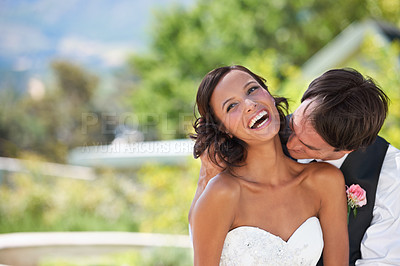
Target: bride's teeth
x,y
262,123
254,120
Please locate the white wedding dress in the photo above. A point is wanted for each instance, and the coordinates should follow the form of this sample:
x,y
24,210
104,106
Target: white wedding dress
x,y
247,245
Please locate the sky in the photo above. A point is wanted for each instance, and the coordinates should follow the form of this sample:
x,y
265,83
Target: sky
x,y
98,31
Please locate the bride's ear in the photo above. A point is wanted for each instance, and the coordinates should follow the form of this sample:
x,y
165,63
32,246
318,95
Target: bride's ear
x,y
229,134
225,131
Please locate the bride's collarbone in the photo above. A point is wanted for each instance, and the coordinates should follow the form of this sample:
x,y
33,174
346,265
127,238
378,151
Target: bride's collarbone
x,y
278,185
276,180
283,200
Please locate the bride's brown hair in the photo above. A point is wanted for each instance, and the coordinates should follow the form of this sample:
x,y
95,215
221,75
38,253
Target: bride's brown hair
x,y
211,134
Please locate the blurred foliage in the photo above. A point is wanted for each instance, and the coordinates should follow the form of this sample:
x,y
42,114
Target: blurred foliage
x,y
52,124
166,193
77,85
156,199
149,257
37,203
187,43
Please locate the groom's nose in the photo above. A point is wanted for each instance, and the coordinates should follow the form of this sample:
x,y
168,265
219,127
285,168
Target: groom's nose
x,y
294,143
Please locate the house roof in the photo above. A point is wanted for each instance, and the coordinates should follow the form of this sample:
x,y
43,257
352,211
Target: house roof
x,y
392,33
347,43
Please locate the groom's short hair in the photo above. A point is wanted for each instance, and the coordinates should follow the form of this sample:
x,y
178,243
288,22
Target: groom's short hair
x,y
350,109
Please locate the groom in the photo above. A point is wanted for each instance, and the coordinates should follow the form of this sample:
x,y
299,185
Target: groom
x,y
338,121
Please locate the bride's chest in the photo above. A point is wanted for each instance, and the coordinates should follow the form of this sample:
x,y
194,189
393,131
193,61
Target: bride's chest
x,y
284,199
279,212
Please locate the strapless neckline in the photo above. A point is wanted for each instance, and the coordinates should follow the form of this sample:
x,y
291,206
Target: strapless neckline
x,y
250,245
278,237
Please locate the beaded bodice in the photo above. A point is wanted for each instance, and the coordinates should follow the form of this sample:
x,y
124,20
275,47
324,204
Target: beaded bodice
x,y
247,245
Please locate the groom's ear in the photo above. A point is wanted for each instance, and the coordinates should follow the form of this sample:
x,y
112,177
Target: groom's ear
x,y
344,152
347,152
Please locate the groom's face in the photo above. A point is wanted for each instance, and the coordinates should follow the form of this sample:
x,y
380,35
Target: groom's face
x,y
304,142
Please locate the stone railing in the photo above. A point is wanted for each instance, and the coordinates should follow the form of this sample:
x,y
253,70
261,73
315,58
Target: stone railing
x,y
26,249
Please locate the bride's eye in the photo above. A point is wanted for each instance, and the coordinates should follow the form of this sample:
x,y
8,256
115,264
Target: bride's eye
x,y
252,89
230,107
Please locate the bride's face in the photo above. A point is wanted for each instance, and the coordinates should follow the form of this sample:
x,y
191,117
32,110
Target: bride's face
x,y
246,109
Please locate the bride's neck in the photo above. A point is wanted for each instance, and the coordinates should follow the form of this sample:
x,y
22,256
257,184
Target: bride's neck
x,y
264,163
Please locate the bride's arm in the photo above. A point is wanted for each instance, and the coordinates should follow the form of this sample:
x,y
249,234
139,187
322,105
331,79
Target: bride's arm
x,y
212,217
333,215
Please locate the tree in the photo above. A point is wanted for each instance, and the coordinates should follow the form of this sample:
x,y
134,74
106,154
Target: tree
x,y
51,125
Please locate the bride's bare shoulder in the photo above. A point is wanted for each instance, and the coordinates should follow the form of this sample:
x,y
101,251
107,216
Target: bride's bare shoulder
x,y
324,175
223,186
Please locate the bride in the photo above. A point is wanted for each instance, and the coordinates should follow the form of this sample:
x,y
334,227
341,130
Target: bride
x,y
263,208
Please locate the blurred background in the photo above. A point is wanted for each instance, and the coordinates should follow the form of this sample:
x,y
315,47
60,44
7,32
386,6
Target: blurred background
x,y
97,101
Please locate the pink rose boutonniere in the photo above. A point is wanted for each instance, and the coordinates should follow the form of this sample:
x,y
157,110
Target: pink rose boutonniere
x,y
356,197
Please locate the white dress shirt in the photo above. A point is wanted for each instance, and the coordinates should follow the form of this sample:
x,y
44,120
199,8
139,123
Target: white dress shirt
x,y
381,242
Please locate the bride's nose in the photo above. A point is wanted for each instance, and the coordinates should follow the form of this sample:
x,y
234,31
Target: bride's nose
x,y
250,105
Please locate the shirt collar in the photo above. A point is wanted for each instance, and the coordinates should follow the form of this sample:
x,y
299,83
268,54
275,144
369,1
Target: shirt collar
x,y
338,162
